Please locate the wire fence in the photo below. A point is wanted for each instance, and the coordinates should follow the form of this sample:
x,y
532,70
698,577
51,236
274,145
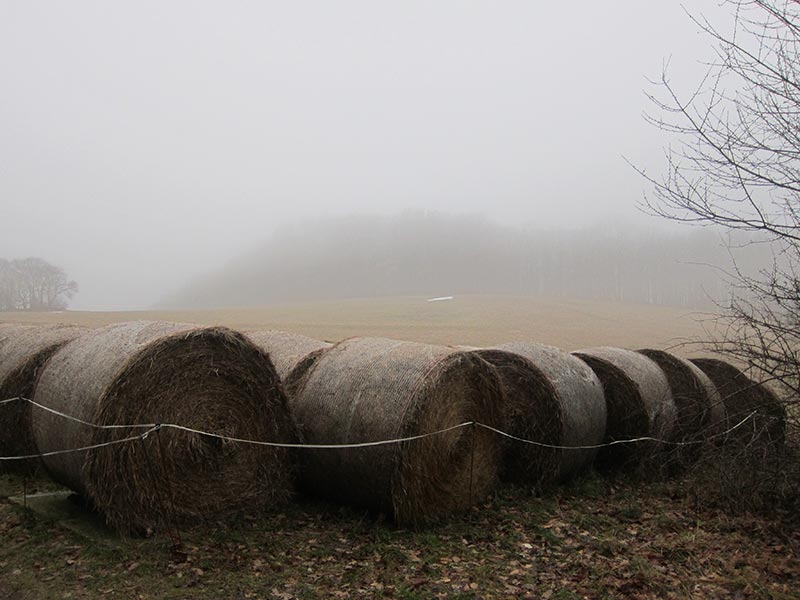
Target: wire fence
x,y
153,427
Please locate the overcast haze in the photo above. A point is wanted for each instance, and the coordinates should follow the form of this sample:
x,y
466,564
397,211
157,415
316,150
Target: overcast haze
x,y
145,144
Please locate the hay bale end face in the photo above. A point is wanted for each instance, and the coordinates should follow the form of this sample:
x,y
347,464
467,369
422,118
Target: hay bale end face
x,y
212,379
560,402
24,350
742,396
372,389
292,354
638,403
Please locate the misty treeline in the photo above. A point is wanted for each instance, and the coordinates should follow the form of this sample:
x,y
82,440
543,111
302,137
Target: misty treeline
x,y
434,255
33,284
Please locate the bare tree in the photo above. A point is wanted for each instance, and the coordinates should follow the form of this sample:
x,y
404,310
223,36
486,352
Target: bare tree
x,y
34,284
736,164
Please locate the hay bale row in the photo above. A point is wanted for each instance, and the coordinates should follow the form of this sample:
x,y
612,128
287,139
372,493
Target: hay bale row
x,y
742,396
24,351
550,397
372,389
359,390
638,403
207,378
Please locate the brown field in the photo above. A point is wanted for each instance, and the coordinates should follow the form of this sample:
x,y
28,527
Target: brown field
x,y
469,320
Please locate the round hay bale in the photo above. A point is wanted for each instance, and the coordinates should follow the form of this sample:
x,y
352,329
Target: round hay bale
x,y
24,350
207,378
717,411
741,397
560,402
529,410
700,412
638,403
289,352
372,389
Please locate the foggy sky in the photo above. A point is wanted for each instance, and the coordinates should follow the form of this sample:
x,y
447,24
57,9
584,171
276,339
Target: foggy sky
x,y
145,143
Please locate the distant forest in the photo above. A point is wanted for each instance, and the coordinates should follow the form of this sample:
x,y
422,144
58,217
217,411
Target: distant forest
x,y
435,255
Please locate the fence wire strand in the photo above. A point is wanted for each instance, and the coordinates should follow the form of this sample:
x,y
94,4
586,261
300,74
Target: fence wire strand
x,y
152,427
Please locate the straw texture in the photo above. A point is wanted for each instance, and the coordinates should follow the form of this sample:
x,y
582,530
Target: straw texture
x,y
371,389
700,412
743,396
638,403
529,410
559,402
24,350
288,351
211,379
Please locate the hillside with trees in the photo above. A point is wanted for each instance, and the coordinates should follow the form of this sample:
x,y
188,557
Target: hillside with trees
x,y
434,254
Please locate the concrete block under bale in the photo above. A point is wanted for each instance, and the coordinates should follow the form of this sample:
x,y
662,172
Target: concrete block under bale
x,y
68,510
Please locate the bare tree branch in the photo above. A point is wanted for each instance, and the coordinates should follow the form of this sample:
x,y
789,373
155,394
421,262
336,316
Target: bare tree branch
x,y
736,164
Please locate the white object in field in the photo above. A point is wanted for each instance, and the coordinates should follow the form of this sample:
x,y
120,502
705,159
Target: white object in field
x,y
440,298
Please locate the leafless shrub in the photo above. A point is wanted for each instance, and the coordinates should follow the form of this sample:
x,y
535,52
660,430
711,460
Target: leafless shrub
x,y
736,165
